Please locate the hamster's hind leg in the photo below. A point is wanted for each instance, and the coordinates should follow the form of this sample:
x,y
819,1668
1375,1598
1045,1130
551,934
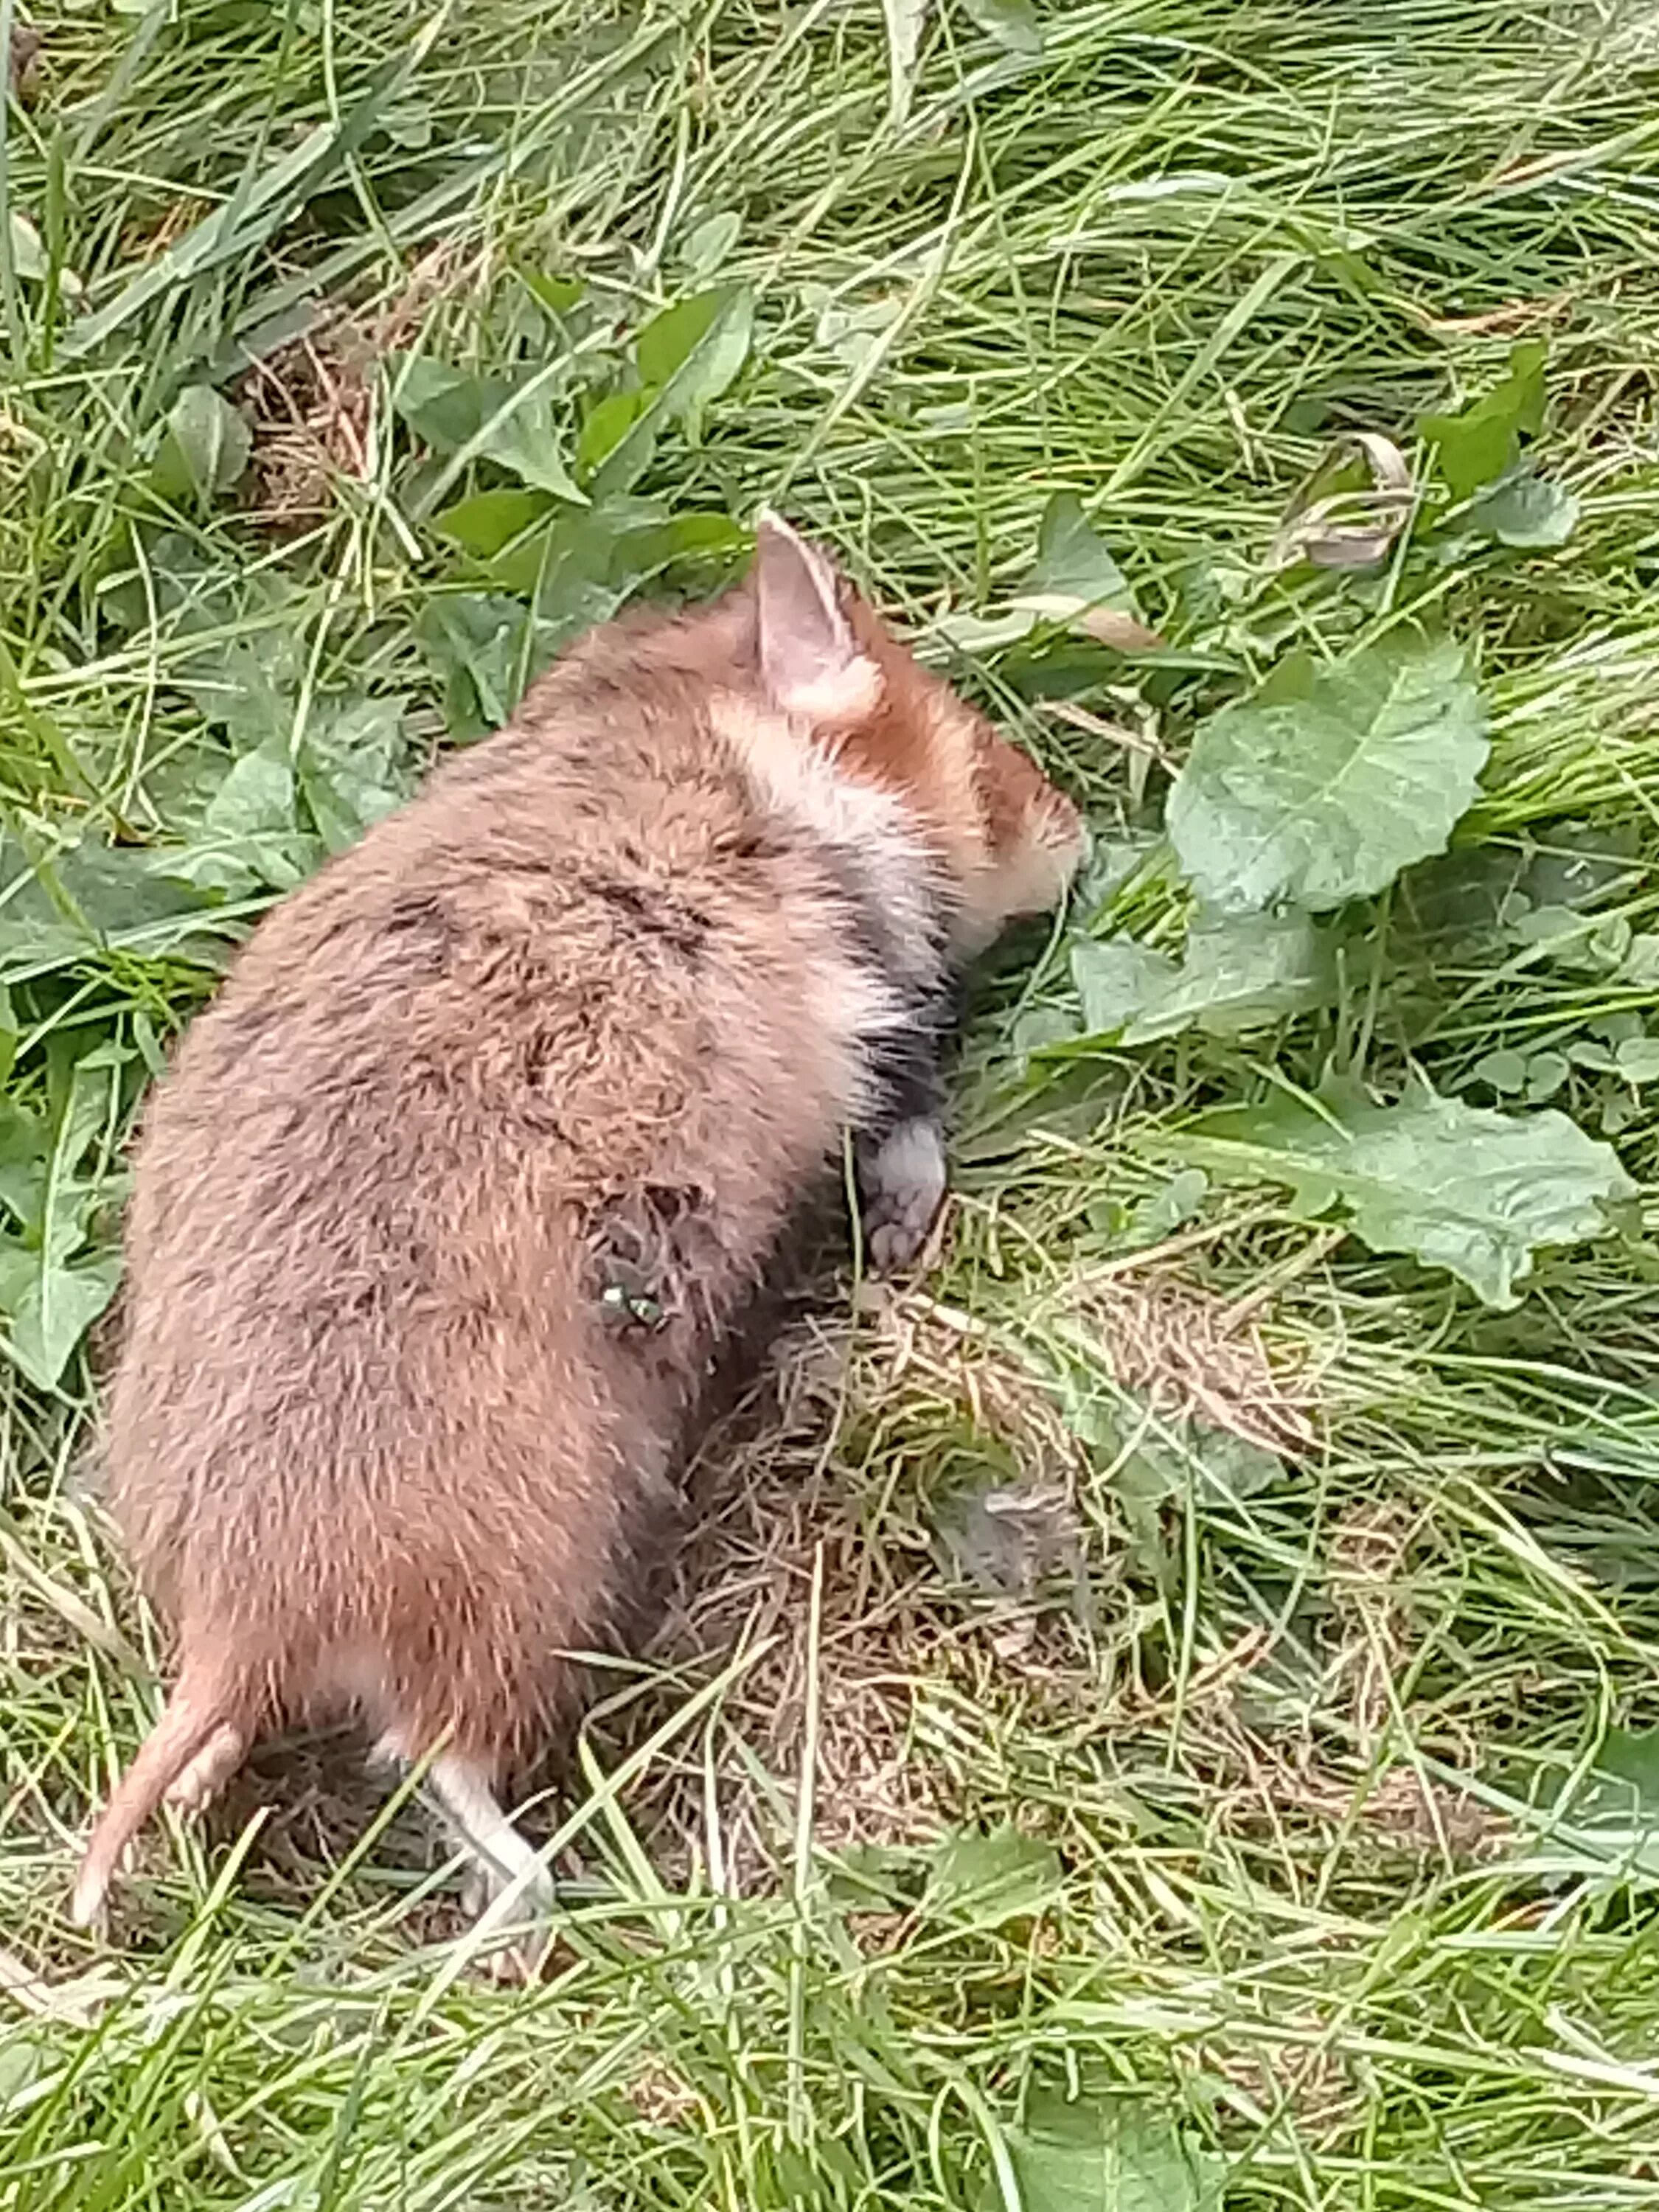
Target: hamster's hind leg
x,y
508,1886
194,1788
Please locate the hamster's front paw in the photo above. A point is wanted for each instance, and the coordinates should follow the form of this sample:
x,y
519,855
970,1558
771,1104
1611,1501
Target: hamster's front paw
x,y
901,1189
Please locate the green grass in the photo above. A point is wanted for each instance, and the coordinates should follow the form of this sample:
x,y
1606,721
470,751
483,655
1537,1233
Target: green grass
x,y
1318,1792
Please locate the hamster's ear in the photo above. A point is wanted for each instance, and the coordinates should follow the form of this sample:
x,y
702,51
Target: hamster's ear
x,y
810,661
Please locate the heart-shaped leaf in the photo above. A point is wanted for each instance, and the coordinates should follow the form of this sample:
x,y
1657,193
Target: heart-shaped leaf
x,y
445,407
1075,579
205,447
527,438
1327,781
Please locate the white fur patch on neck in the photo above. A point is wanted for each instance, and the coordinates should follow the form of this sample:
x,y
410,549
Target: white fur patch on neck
x,y
800,782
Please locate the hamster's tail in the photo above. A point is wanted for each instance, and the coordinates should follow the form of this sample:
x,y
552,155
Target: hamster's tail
x,y
200,1740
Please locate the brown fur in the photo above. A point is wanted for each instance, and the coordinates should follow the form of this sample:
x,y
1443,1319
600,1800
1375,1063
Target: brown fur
x,y
447,1203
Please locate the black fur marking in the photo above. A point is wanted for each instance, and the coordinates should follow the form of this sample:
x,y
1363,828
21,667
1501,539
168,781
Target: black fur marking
x,y
421,929
879,945
657,913
906,1065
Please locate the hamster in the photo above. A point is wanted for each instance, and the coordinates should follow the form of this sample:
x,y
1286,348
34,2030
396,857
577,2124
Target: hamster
x,y
451,1198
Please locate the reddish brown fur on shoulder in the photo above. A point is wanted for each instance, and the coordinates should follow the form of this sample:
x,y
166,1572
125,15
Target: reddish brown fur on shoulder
x,y
1012,841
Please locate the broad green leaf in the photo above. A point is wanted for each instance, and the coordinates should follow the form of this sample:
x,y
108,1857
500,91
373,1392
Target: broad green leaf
x,y
692,353
483,648
706,247
1113,2153
904,19
249,687
1328,780
679,540
95,897
580,570
1616,1806
1238,972
1117,979
205,447
1479,443
1241,972
353,769
1527,511
1475,448
24,1149
606,424
49,1307
446,408
1458,1187
1072,579
557,295
1013,23
1074,563
984,1880
256,796
527,438
489,520
1075,579
49,1293
251,833
514,424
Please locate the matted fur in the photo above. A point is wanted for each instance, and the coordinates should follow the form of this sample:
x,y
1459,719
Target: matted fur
x,y
451,1199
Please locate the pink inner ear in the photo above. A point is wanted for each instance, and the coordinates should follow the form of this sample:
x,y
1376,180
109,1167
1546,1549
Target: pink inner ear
x,y
807,649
